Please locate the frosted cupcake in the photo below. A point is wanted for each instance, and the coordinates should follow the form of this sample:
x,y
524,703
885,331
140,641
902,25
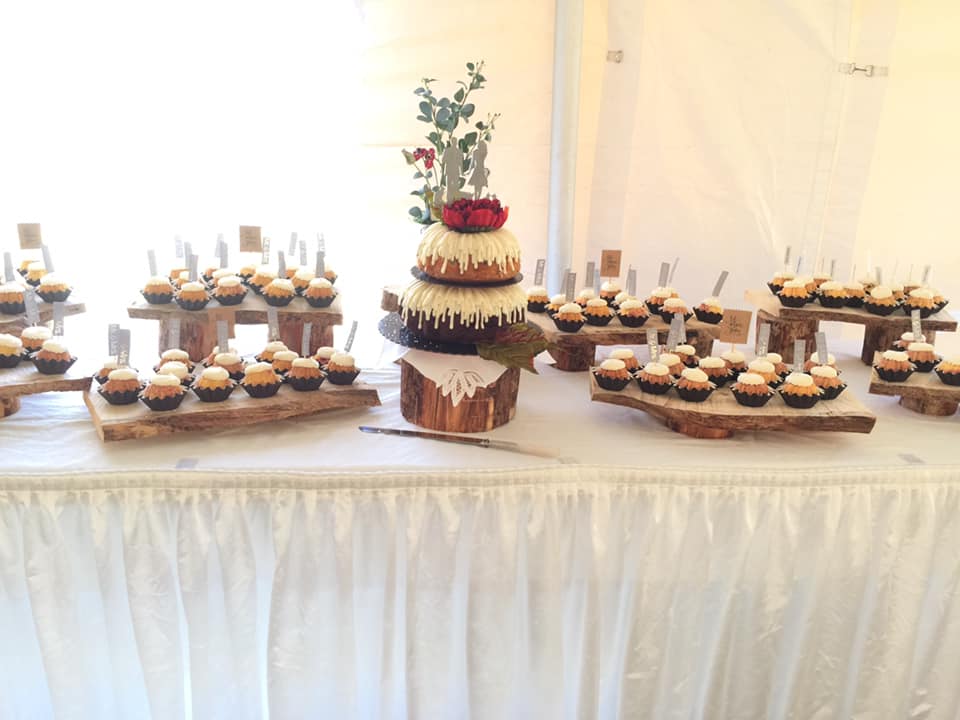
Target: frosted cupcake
x,y
800,391
104,372
880,301
779,278
794,294
673,307
832,294
556,302
247,271
751,390
569,317
229,290
35,273
626,356
826,378
304,375
178,369
766,370
655,378
612,374
904,342
736,362
658,296
815,359
609,291
620,297
11,299
301,279
687,355
949,371
163,393
122,387
856,294
632,313
231,362
11,350
279,293
323,355
53,288
342,370
920,299
779,366
272,347
710,311
537,299
320,293
716,370
283,361
193,296
894,366
672,362
263,276
158,290
175,355
259,380
694,385
53,358
923,356
214,385
598,312
584,296
819,278
939,301
34,337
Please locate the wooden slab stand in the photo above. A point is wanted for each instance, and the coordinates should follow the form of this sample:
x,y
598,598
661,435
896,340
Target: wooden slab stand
x,y
921,392
25,380
720,416
422,403
13,324
789,324
129,422
198,335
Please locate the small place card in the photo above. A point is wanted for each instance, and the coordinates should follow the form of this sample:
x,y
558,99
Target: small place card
x,y
353,334
217,244
113,341
735,326
673,336
321,243
596,279
293,244
223,335
30,238
664,274
320,268
833,268
763,339
58,314
591,270
123,348
570,289
250,238
305,349
224,254
152,262
632,281
8,272
915,325
786,257
926,274
178,245
193,268
673,270
610,263
653,344
718,288
681,328
799,262
538,275
47,260
281,264
273,324
173,333
265,251
187,252
799,353
303,253
823,354
30,301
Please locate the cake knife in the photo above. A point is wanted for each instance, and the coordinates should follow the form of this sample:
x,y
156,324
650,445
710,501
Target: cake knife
x,y
507,445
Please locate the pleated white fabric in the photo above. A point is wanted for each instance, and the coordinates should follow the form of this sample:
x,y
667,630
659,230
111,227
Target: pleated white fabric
x,y
583,593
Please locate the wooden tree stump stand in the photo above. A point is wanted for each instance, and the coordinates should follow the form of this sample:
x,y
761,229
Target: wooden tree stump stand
x,y
922,393
422,403
783,332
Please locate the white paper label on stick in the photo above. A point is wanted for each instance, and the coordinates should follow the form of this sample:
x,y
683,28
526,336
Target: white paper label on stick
x,y
303,252
224,254
799,353
223,335
29,234
596,278
915,325
718,288
653,344
152,262
673,336
682,328
281,264
193,268
538,275
305,349
321,243
113,341
30,301
265,254
833,268
664,274
58,319
632,281
350,338
879,275
673,270
178,245
926,274
173,333
187,252
786,257
8,271
570,289
823,354
217,245
47,260
591,268
799,262
763,339
273,324
293,244
123,347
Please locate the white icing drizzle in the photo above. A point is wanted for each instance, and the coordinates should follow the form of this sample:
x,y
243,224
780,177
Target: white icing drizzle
x,y
440,304
468,249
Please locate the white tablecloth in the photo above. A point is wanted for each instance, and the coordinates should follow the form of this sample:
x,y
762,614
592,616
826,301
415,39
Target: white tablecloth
x,y
308,570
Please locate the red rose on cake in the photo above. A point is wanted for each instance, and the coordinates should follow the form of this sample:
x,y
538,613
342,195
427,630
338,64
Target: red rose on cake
x,y
480,215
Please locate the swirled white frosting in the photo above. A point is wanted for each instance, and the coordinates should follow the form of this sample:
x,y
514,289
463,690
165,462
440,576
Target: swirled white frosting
x,y
227,358
325,352
674,303
275,346
54,346
630,304
537,291
622,296
694,375
712,363
36,267
824,371
662,292
685,350
175,368
305,274
229,281
122,374
342,359
613,365
749,378
558,299
775,358
165,380
586,294
193,287
831,285
283,284
468,250
799,379
922,294
764,367
439,305
656,368
815,358
610,286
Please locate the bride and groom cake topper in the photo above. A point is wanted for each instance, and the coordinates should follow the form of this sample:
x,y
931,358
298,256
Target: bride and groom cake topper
x,y
453,158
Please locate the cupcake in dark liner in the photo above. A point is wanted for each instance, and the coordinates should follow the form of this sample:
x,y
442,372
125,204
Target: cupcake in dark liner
x,y
949,375
923,357
924,312
792,301
210,395
320,302
13,308
341,377
716,369
302,384
11,351
260,381
279,293
694,395
800,391
53,296
125,397
229,300
122,387
832,301
654,388
632,321
277,301
598,312
855,302
157,298
833,392
694,385
10,361
52,367
876,309
341,369
612,375
799,402
261,391
569,318
536,307
892,375
192,304
537,299
751,399
598,321
33,282
667,317
775,288
711,318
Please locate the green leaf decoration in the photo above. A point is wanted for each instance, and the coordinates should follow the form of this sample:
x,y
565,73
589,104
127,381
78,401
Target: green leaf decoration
x,y
470,67
417,175
515,347
467,110
425,108
424,118
444,102
408,156
416,213
459,95
434,137
443,115
470,138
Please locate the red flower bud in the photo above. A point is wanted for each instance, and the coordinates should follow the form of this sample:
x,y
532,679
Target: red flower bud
x,y
475,215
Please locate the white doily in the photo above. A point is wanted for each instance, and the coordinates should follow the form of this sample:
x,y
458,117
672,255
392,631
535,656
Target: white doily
x,y
457,376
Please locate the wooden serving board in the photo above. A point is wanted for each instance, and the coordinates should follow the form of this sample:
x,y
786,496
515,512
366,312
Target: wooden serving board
x,y
128,422
13,324
789,324
577,351
25,380
721,415
921,392
198,335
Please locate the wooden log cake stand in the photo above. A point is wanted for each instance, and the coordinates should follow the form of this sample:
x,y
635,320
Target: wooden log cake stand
x,y
422,403
720,415
198,336
576,351
921,392
25,380
13,324
789,324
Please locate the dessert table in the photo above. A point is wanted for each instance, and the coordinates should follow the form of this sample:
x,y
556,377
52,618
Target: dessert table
x,y
641,573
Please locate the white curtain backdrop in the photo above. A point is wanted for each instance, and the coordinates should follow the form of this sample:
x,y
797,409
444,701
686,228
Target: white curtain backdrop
x,y
594,593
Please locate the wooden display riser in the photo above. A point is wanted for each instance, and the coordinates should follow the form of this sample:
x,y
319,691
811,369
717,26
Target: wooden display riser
x,y
422,403
789,324
577,351
13,324
129,422
923,393
25,380
198,335
721,415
